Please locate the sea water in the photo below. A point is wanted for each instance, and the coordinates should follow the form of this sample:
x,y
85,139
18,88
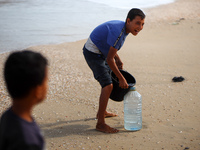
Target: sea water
x,y
36,22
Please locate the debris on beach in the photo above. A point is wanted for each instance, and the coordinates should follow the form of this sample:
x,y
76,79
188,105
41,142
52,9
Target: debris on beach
x,y
178,21
178,79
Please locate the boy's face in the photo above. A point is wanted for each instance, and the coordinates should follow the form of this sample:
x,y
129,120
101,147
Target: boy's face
x,y
42,89
45,84
134,26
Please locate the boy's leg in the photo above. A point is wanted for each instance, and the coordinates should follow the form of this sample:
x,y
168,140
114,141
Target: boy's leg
x,y
101,73
103,101
107,114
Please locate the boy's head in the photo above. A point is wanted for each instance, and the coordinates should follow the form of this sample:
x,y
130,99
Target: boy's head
x,y
135,21
135,12
24,70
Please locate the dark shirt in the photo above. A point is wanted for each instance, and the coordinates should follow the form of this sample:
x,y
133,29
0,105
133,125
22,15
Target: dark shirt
x,y
18,134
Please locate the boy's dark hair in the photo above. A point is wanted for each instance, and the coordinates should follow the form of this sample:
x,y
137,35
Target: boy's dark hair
x,y
135,12
23,71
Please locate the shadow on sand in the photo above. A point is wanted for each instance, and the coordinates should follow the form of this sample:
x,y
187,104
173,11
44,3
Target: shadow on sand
x,y
76,127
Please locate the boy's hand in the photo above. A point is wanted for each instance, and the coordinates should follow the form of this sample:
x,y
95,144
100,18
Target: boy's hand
x,y
123,84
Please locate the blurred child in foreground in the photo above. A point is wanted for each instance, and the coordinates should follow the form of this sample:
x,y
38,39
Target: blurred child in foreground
x,y
25,75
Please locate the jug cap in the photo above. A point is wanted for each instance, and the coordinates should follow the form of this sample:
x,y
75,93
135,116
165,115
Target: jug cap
x,y
132,88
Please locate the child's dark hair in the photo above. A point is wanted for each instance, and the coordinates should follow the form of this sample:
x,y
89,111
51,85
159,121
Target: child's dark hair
x,y
23,71
135,12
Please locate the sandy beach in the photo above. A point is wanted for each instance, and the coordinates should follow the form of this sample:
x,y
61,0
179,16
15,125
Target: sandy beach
x,y
167,47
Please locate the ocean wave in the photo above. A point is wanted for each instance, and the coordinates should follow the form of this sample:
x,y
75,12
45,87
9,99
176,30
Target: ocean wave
x,y
126,4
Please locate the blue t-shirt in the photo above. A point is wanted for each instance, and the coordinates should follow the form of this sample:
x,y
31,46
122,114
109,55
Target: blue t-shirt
x,y
106,35
18,134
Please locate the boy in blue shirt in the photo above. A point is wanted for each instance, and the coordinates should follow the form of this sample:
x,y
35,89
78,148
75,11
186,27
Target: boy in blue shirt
x,y
25,74
100,52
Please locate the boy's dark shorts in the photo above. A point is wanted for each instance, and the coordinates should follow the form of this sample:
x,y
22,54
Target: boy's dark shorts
x,y
99,67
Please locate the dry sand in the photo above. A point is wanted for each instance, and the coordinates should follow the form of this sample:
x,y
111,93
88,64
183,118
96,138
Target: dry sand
x,y
168,46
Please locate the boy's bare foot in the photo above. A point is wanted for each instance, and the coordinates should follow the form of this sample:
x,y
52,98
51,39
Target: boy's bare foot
x,y
105,128
107,114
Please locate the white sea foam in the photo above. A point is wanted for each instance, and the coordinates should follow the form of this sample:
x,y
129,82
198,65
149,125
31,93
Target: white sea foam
x,y
126,4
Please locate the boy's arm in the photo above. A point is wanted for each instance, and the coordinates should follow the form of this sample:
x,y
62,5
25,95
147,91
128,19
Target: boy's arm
x,y
118,61
112,55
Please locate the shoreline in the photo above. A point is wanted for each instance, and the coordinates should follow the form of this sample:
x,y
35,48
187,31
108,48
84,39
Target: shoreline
x,y
176,12
164,49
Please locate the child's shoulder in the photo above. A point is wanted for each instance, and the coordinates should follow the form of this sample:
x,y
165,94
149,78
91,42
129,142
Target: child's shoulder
x,y
9,127
8,119
115,22
5,115
115,27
